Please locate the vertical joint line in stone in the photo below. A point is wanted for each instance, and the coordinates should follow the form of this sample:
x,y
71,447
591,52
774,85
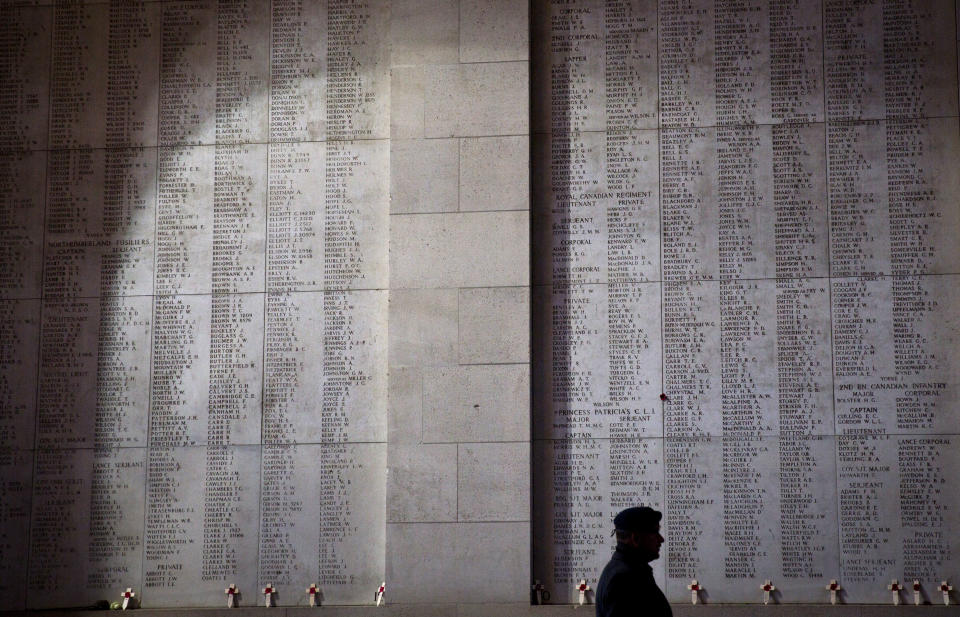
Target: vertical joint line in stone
x,y
956,49
456,513
459,339
153,312
833,370
663,354
420,390
266,287
43,263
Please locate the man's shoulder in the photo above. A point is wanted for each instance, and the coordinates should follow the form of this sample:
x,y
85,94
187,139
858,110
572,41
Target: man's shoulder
x,y
618,569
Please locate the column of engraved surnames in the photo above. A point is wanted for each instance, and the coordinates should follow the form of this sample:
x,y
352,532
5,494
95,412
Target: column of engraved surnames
x,y
325,362
777,258
97,189
746,305
892,139
597,274
194,209
24,34
203,485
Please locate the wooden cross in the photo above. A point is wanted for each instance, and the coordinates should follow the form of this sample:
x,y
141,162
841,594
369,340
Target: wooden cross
x,y
313,591
945,589
916,592
834,587
232,593
895,587
694,588
382,589
537,588
268,592
583,588
767,587
128,596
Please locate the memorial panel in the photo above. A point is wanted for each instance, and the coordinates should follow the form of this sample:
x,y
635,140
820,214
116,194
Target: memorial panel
x,y
803,372
87,526
581,483
745,313
203,504
19,339
25,43
318,527
22,187
100,223
194,299
16,489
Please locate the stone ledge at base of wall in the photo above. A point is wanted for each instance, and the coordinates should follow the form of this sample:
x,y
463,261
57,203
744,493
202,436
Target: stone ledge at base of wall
x,y
523,610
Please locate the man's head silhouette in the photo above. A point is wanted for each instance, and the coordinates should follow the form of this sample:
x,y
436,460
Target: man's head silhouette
x,y
639,528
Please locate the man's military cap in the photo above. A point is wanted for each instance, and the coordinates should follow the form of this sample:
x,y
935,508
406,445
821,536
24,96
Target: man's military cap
x,y
640,519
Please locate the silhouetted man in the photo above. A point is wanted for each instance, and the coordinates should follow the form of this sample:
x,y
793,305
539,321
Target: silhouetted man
x,y
626,587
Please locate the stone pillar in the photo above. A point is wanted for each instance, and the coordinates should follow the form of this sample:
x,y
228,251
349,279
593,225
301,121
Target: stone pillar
x,y
458,487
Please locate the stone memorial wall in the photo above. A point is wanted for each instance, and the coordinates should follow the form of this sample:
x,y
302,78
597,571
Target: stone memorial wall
x,y
746,276
265,297
194,236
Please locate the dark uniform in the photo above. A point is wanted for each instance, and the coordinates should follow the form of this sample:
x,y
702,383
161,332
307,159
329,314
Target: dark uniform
x,y
627,588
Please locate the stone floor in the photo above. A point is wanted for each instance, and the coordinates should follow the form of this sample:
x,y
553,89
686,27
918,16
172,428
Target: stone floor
x,y
521,610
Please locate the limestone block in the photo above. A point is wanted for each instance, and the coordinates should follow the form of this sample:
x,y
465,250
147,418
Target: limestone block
x,y
471,562
474,249
299,248
369,47
938,158
574,243
494,325
622,345
188,115
477,403
242,103
495,173
611,101
422,483
352,525
185,191
421,562
24,175
898,408
466,100
423,32
493,30
73,412
79,97
423,175
405,406
20,333
16,476
358,188
298,106
493,482
294,396
559,501
84,204
406,102
211,496
877,94
898,542
26,121
423,326
87,525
